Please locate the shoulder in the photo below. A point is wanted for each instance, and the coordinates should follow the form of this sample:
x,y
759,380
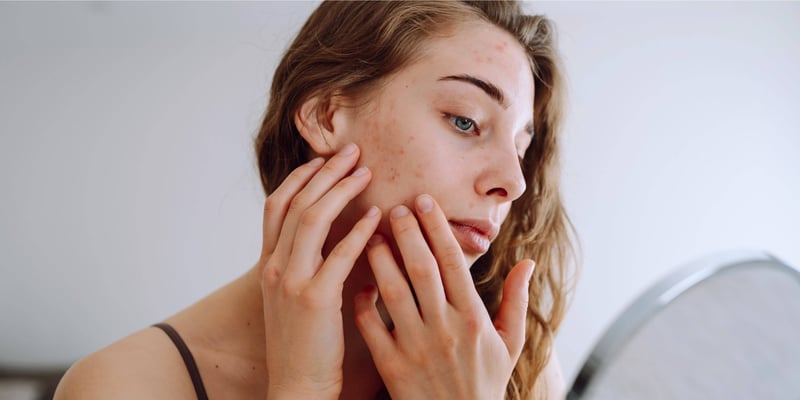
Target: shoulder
x,y
142,365
552,385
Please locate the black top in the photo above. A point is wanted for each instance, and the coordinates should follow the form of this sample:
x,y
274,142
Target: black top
x,y
191,366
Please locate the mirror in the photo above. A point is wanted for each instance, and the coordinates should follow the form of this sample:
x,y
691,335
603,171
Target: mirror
x,y
726,327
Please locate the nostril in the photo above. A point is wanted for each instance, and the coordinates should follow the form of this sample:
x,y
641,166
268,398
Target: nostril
x,y
498,191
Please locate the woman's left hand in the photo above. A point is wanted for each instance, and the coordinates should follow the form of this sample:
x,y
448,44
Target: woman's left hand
x,y
448,346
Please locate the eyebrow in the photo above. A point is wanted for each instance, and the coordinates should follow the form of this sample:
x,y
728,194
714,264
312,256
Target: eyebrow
x,y
493,91
490,89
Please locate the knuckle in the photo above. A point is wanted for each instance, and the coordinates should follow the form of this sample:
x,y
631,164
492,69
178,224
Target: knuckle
x,y
362,318
452,257
310,218
288,290
404,228
393,294
299,202
272,204
420,271
297,172
311,299
330,167
446,341
474,323
343,250
271,274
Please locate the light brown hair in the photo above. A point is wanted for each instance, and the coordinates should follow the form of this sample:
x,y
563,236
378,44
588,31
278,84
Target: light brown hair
x,y
348,48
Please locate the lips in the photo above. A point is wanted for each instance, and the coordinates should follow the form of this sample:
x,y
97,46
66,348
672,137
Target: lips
x,y
474,236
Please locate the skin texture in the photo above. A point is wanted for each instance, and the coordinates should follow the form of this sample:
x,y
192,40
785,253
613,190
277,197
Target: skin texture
x,y
412,147
305,321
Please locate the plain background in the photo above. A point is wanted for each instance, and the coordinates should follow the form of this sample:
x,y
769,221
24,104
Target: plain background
x,y
129,188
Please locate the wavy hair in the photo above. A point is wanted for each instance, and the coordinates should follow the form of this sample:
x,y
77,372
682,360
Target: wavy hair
x,y
349,48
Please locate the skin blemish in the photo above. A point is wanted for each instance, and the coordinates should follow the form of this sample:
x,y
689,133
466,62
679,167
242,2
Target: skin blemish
x,y
480,58
501,47
393,175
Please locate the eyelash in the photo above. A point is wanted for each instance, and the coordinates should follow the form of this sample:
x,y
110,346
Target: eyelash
x,y
452,118
473,125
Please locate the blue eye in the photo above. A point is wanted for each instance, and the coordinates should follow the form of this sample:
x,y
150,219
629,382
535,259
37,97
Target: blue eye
x,y
463,124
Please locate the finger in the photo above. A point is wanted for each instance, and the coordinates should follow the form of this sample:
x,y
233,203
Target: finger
x,y
315,223
341,259
456,278
513,310
368,321
419,263
392,285
331,172
277,203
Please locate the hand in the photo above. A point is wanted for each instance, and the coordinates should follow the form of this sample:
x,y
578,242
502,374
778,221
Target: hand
x,y
448,347
302,292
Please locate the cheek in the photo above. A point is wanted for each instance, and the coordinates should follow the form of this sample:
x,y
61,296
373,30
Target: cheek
x,y
504,211
397,161
392,153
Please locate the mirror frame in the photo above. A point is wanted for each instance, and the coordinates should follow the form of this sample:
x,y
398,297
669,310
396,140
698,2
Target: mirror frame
x,y
655,298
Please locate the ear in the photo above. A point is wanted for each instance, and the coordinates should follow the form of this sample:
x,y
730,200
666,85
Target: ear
x,y
319,123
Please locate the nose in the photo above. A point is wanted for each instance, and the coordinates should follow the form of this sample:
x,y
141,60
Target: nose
x,y
502,177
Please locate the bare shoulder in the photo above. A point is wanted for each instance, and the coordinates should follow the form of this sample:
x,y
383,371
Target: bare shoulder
x,y
142,365
553,386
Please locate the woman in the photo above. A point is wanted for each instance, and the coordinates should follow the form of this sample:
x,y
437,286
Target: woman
x,y
409,154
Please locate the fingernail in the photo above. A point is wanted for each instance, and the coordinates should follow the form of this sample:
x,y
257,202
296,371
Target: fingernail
x,y
347,150
372,212
424,203
532,268
360,171
316,162
399,211
375,239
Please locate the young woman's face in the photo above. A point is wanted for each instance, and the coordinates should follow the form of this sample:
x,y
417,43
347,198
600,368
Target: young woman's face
x,y
453,124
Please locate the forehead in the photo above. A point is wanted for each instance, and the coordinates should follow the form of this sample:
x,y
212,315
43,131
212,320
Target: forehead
x,y
484,51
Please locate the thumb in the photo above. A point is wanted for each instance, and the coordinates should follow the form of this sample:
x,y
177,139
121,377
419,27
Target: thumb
x,y
511,316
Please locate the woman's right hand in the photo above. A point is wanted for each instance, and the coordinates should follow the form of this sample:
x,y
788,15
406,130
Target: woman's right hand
x,y
302,291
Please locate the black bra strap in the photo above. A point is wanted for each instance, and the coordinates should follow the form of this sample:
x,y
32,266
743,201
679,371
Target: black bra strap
x,y
194,373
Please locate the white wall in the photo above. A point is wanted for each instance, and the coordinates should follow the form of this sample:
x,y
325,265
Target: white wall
x,y
129,189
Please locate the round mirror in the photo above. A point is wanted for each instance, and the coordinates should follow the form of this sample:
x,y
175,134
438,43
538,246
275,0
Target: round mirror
x,y
726,327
